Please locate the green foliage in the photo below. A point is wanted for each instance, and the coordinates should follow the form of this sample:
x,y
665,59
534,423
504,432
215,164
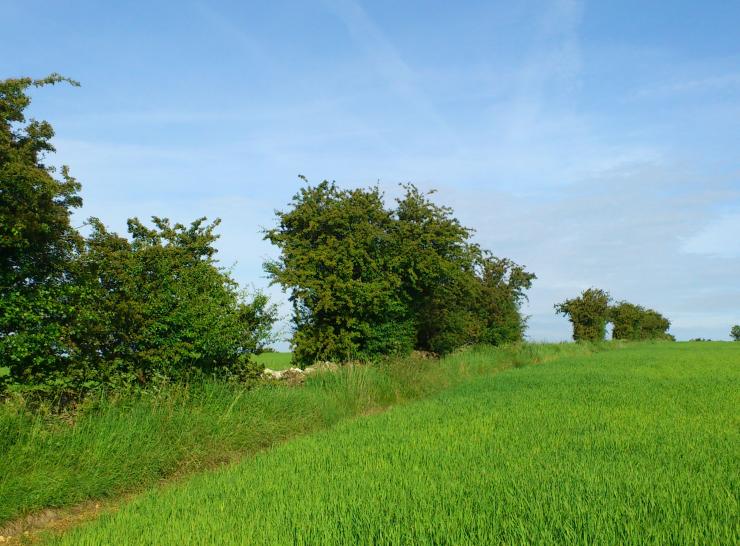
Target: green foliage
x,y
437,264
655,326
78,313
634,322
503,286
588,313
37,240
735,332
157,306
338,259
366,282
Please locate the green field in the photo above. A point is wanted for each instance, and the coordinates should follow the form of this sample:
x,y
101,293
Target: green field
x,y
638,445
122,444
275,361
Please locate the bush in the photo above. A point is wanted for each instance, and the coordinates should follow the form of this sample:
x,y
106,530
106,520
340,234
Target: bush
x,y
588,313
159,306
78,314
634,322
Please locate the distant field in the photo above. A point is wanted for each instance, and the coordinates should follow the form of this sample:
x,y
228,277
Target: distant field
x,y
639,445
275,361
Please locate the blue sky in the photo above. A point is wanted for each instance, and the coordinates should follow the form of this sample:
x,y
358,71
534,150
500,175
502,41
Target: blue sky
x,y
595,142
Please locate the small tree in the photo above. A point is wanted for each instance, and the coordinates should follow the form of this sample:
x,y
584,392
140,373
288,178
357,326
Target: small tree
x,y
588,314
634,322
735,332
503,290
653,325
627,320
338,260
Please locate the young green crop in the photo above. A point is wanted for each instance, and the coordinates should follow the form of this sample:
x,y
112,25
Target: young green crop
x,y
274,360
633,446
131,442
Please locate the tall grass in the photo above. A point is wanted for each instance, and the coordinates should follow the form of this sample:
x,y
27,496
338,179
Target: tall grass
x,y
127,444
638,446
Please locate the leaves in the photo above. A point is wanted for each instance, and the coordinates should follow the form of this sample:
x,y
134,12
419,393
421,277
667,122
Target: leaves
x,y
366,281
589,314
77,314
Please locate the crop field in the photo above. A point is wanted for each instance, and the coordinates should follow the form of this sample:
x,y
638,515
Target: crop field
x,y
637,445
275,361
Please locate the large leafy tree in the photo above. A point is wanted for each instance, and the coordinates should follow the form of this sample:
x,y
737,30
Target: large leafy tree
x,y
367,281
338,260
438,271
735,332
37,241
588,313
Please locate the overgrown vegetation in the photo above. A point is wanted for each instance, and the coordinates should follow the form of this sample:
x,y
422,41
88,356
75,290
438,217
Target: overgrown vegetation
x,y
367,281
117,444
590,313
79,314
636,446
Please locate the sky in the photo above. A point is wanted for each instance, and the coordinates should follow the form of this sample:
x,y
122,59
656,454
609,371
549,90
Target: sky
x,y
595,142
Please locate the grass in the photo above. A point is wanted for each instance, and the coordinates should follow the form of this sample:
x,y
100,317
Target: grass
x,y
637,446
124,445
275,361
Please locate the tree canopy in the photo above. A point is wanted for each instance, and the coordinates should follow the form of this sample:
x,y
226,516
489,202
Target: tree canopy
x,y
367,281
591,312
588,313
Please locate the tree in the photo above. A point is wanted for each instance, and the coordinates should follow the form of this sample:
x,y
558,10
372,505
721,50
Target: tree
x,y
634,322
655,326
366,281
588,313
437,264
37,241
338,261
627,320
503,286
735,332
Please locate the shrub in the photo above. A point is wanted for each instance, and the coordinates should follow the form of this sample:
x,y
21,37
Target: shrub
x,y
588,313
634,322
77,314
159,306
